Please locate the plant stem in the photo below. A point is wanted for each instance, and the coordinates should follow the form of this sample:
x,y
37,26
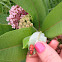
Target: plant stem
x,y
35,28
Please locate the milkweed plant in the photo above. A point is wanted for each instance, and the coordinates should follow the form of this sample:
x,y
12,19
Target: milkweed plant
x,y
25,22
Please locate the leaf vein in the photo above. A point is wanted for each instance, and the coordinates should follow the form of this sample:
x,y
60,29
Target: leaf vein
x,y
10,47
51,26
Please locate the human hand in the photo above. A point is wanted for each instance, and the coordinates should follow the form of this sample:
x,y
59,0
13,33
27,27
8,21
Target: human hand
x,y
45,53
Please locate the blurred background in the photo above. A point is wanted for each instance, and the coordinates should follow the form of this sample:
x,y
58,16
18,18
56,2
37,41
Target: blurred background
x,y
5,5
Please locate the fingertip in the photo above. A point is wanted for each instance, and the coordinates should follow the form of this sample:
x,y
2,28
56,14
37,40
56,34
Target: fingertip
x,y
45,52
54,44
32,58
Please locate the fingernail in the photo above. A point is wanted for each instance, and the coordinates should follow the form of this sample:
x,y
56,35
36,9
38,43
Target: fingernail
x,y
39,47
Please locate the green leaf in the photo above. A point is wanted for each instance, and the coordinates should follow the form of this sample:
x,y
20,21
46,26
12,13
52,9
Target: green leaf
x,y
47,4
15,37
24,60
5,28
12,41
46,8
35,8
25,42
3,18
52,25
0,8
13,54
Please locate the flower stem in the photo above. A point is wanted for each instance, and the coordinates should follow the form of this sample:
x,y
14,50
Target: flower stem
x,y
35,28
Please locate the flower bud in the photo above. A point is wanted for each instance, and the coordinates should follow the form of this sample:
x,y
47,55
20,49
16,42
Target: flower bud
x,y
22,20
23,26
28,22
27,18
20,24
27,25
24,23
31,24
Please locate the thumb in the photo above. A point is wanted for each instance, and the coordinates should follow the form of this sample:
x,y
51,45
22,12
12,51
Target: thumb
x,y
46,53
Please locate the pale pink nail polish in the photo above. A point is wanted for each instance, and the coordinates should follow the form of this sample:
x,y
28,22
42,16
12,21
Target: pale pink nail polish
x,y
39,47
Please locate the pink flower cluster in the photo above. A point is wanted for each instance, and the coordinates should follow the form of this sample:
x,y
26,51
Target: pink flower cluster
x,y
16,13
